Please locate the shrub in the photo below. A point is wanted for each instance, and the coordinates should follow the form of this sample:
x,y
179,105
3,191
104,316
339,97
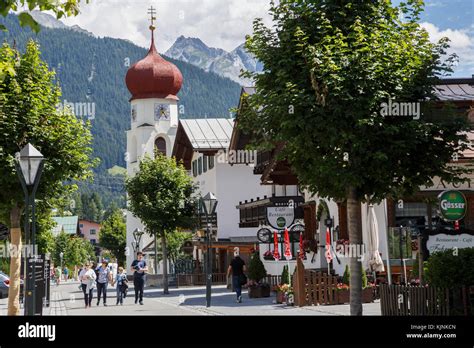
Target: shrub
x,y
347,276
284,275
451,268
364,278
256,268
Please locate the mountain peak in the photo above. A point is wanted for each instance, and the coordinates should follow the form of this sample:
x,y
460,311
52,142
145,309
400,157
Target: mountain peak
x,y
228,64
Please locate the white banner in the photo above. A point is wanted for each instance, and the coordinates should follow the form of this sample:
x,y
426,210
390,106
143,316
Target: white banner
x,y
440,242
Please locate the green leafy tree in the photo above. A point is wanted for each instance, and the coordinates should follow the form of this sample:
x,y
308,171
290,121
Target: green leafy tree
x,y
328,68
60,245
28,113
77,252
112,208
61,8
161,196
113,236
257,269
175,242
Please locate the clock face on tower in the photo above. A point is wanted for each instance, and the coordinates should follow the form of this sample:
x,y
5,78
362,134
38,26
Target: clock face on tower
x,y
162,112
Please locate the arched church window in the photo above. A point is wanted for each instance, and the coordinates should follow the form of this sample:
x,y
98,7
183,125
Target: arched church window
x,y
160,145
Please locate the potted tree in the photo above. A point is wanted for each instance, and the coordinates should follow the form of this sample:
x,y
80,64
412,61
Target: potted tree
x,y
343,294
282,288
256,273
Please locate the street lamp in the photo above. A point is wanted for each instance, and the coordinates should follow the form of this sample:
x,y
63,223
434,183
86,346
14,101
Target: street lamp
x,y
61,255
29,166
137,237
208,205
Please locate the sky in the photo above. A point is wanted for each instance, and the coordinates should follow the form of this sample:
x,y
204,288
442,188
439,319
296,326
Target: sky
x,y
224,23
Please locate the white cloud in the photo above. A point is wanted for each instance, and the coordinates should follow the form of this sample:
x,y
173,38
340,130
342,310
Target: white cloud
x,y
461,43
218,23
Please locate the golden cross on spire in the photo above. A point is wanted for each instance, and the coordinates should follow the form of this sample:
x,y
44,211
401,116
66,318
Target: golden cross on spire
x,y
152,12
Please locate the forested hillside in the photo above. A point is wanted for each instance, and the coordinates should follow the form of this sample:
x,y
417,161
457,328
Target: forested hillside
x,y
92,70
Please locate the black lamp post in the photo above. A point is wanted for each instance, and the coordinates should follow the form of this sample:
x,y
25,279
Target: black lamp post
x,y
61,255
137,237
29,166
208,205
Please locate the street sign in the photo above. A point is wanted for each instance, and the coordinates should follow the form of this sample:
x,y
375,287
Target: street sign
x,y
280,217
36,266
452,205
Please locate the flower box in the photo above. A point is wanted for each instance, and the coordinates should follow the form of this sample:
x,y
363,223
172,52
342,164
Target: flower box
x,y
343,296
280,297
257,291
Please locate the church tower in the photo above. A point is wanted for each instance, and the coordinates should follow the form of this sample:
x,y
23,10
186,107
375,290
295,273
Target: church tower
x,y
154,84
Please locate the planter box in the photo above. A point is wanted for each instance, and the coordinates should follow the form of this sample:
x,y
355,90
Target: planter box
x,y
259,291
343,296
280,297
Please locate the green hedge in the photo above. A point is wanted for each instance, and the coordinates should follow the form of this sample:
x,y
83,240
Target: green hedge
x,y
451,268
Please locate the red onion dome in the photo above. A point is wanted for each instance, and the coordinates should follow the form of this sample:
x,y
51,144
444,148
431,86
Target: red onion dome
x,y
154,77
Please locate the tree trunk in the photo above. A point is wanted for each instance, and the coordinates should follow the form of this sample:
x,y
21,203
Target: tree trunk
x,y
165,264
15,262
355,239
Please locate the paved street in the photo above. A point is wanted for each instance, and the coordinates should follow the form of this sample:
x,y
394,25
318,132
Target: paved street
x,y
67,299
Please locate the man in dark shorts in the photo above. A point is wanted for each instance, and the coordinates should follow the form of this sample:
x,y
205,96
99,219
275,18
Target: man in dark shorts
x,y
237,268
139,269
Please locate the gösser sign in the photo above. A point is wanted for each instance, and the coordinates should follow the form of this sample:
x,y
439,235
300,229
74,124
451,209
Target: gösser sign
x,y
452,205
280,217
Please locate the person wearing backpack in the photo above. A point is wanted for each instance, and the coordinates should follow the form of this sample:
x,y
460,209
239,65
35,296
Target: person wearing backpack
x,y
122,285
237,268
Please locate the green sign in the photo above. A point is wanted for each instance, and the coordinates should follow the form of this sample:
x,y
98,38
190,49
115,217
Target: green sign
x,y
281,222
452,205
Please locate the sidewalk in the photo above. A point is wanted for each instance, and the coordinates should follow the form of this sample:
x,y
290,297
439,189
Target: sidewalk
x,y
67,299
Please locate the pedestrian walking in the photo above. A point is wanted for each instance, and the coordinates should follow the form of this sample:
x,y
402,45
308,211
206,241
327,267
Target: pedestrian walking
x,y
57,275
237,268
104,277
52,274
122,285
66,274
139,269
87,277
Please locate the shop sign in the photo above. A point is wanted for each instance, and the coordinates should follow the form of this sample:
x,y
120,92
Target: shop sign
x,y
440,242
452,205
280,217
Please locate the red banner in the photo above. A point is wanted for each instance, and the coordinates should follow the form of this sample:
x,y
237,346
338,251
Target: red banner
x,y
276,253
328,246
287,252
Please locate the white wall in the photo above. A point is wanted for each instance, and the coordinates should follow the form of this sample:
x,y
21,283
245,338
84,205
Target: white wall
x,y
230,184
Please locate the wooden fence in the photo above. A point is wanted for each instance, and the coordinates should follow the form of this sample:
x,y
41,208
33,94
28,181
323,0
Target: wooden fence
x,y
413,300
314,287
199,279
421,300
273,280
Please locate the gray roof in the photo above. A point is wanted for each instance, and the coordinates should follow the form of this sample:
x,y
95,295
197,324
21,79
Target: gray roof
x,y
208,133
455,89
68,224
